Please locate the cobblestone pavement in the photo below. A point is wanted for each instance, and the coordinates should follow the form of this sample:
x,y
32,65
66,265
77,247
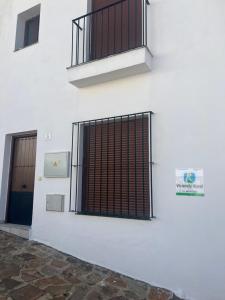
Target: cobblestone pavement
x,y
30,271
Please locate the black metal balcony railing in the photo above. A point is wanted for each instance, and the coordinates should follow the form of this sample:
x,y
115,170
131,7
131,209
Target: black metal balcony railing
x,y
113,29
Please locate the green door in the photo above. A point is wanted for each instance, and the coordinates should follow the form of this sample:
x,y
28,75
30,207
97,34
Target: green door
x,y
21,192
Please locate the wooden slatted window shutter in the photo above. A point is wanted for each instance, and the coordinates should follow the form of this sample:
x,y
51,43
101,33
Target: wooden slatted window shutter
x,y
116,167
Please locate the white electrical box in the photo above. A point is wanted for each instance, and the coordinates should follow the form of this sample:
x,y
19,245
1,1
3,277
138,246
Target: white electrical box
x,y
55,203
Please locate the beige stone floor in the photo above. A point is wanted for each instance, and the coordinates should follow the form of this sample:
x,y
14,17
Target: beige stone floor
x,y
30,271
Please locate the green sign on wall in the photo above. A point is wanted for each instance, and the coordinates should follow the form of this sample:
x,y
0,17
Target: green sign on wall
x,y
190,182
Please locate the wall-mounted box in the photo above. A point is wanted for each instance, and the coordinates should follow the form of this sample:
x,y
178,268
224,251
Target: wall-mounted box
x,y
57,165
55,203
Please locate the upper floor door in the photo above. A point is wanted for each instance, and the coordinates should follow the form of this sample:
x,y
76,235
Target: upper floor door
x,y
116,26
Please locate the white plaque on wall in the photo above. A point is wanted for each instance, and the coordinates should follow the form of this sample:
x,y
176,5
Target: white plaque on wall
x,y
57,165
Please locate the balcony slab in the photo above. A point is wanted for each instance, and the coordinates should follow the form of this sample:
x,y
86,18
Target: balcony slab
x,y
132,62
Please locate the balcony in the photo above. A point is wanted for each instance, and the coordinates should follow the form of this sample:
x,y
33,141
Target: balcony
x,y
110,43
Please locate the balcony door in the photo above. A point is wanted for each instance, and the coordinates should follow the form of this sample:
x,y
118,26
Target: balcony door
x,y
116,26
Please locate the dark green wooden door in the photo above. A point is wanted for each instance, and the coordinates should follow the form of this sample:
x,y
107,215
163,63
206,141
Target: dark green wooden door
x,y
20,206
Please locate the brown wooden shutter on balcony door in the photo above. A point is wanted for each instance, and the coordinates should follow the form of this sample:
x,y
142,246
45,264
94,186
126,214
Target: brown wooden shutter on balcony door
x,y
116,168
117,28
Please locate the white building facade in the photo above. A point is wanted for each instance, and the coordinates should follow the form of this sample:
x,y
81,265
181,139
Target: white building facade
x,y
152,107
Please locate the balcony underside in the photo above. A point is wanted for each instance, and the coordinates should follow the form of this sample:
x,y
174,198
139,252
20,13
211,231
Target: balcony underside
x,y
117,66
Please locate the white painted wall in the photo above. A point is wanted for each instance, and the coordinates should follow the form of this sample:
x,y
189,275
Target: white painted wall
x,y
184,248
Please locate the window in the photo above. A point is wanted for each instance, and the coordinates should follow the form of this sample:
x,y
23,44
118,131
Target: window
x,y
27,32
31,31
111,169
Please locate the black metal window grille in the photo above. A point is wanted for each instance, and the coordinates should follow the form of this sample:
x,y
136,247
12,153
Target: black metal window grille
x,y
111,167
113,29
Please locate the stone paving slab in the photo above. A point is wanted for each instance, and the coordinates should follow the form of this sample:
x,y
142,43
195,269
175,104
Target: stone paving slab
x,y
32,271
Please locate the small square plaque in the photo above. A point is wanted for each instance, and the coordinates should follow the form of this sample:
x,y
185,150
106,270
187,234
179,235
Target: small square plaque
x,y
57,165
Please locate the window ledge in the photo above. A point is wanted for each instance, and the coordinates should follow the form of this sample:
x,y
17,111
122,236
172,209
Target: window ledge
x,y
19,49
121,65
101,216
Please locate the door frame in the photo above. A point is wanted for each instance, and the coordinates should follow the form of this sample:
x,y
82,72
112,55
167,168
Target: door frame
x,y
7,168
